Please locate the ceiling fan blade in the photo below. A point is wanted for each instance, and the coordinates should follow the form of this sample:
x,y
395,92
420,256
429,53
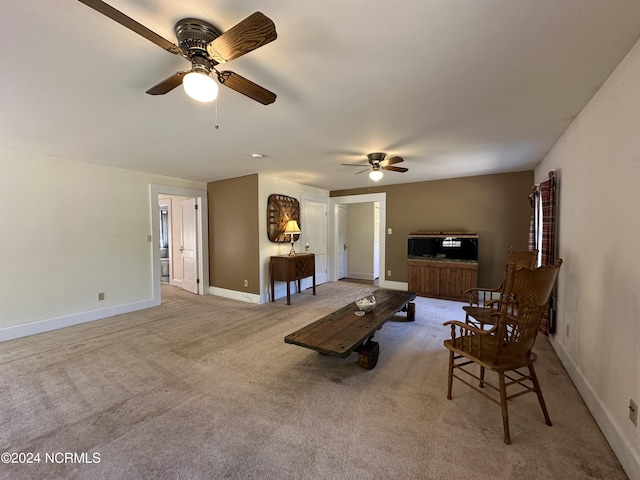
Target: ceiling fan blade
x,y
252,32
246,87
391,161
396,169
131,24
167,84
354,164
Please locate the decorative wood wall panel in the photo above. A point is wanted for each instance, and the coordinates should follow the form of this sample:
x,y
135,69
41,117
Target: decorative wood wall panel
x,y
281,209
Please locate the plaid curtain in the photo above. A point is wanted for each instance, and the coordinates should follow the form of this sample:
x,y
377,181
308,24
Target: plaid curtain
x,y
545,209
533,224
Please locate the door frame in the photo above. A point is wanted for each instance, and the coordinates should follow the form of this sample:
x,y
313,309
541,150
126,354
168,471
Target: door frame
x,y
381,198
167,206
337,249
202,221
312,197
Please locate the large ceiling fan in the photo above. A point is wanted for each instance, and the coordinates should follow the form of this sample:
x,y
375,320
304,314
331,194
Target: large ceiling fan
x,y
205,47
377,163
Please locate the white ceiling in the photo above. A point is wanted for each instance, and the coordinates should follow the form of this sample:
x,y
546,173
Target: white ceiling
x,y
456,87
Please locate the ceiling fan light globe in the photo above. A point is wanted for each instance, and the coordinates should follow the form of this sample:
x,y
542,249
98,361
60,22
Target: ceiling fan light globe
x,y
375,175
200,86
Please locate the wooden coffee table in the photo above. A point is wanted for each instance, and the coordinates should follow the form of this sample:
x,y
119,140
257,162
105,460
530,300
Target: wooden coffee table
x,y
342,332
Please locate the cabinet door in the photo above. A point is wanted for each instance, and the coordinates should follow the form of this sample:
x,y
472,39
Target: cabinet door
x,y
455,281
305,266
424,280
442,280
449,283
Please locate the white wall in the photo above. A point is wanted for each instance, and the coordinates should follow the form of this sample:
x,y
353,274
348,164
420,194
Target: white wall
x,y
266,186
69,231
598,326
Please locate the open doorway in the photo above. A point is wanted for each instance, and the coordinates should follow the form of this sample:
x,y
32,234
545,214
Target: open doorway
x,y
339,258
359,242
180,245
178,242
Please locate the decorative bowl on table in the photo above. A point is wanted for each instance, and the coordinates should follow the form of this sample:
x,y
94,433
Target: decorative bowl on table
x,y
365,301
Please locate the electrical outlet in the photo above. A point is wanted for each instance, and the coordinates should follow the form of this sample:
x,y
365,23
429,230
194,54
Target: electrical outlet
x,y
388,273
246,283
633,412
101,296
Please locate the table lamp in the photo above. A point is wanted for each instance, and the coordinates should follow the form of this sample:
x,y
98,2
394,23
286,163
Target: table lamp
x,y
292,229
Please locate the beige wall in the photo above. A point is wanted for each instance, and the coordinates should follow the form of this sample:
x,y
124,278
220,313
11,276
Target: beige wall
x,y
495,206
234,253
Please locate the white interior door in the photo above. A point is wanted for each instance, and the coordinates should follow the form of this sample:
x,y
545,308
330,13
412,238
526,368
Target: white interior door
x,y
188,246
341,240
376,240
314,236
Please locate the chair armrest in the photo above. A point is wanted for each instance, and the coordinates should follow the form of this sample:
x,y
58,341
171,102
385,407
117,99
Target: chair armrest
x,y
469,340
480,296
466,329
494,304
481,289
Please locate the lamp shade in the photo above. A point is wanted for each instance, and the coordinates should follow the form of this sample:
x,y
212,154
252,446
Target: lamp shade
x,y
200,86
292,227
375,175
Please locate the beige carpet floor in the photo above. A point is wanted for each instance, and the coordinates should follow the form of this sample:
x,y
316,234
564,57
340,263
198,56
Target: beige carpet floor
x,y
206,388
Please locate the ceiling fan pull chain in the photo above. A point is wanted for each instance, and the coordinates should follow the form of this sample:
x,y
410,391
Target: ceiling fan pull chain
x,y
216,123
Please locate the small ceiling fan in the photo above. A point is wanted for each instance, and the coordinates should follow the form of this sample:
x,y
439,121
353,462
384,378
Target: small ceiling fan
x,y
377,163
205,47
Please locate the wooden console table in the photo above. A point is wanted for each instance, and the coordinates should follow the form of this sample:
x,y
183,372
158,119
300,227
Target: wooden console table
x,y
288,269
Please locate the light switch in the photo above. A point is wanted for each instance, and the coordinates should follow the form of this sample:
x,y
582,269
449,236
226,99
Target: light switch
x,y
389,231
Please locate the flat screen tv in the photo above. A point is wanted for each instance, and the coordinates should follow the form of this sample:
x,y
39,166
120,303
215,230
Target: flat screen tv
x,y
443,247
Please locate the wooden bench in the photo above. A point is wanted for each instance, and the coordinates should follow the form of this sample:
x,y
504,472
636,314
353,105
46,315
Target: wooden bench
x,y
342,332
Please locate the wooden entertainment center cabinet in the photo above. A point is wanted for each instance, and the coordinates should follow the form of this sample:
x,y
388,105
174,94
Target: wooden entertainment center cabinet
x,y
442,264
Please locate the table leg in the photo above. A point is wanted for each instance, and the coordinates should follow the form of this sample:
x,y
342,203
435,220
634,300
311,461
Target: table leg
x,y
368,355
411,311
273,293
288,293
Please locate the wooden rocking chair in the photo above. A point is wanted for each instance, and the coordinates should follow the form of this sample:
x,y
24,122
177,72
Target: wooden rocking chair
x,y
505,348
483,302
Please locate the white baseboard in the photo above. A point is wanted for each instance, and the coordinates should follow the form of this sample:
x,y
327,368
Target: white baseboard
x,y
235,295
625,452
393,285
42,326
360,276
